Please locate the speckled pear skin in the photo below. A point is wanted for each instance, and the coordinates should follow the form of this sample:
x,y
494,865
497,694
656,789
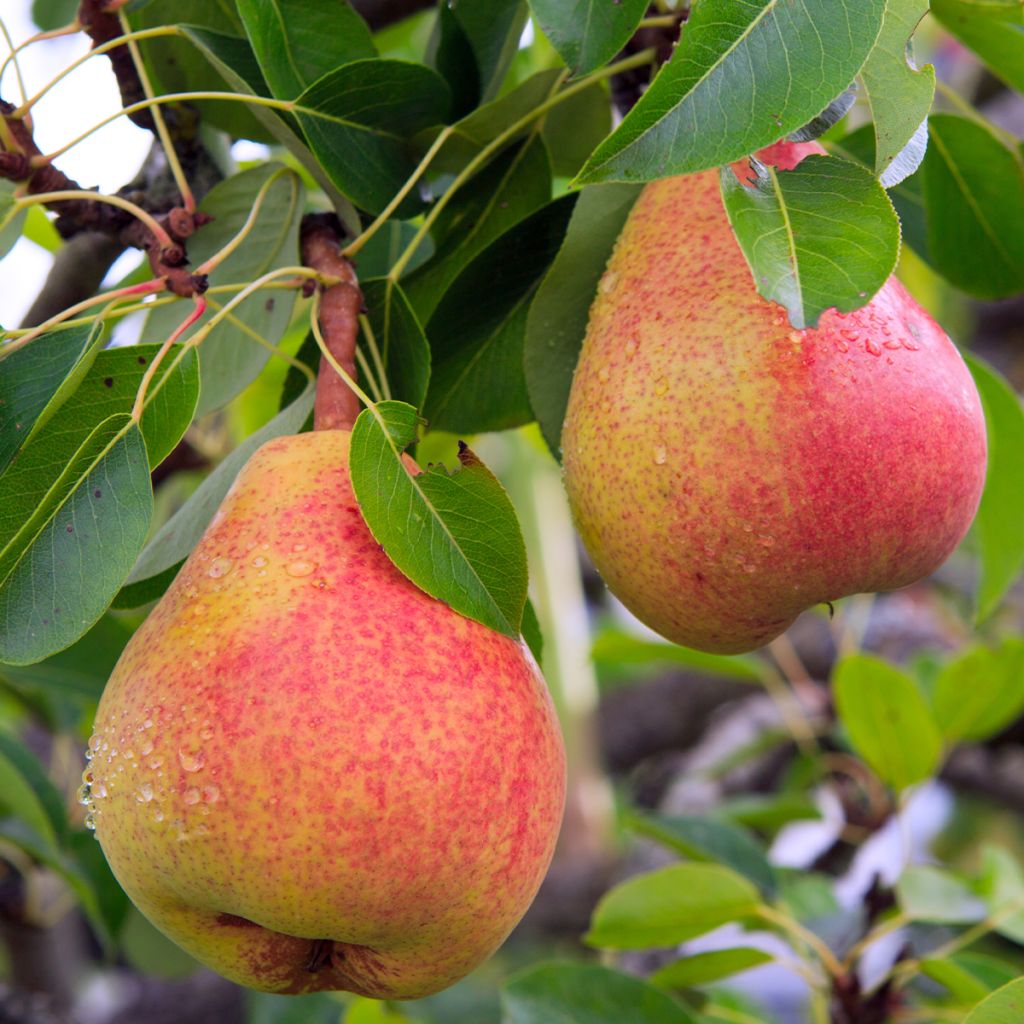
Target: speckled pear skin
x,y
308,773
727,472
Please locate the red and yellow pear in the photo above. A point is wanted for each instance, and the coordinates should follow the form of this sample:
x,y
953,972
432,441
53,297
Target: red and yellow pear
x,y
727,472
307,772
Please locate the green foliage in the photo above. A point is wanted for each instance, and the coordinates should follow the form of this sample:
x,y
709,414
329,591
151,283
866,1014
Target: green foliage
x,y
451,534
587,33
797,263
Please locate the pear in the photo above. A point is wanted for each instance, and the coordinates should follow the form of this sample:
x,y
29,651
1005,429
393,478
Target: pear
x,y
307,772
725,471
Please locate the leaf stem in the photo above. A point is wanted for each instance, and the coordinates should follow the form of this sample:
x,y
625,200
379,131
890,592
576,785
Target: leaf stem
x,y
636,60
335,365
371,381
54,33
112,44
177,171
354,246
797,930
210,264
378,362
171,97
140,396
11,57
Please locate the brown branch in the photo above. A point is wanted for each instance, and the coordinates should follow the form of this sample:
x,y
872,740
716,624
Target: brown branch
x,y
101,26
336,406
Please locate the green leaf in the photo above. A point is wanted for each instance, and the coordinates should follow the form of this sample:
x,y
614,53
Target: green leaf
x,y
36,380
963,986
173,68
27,792
906,196
888,720
557,321
372,1011
79,672
455,536
298,41
59,572
512,186
823,235
381,252
671,905
769,813
180,534
926,893
11,218
587,33
232,57
974,197
997,524
586,994
993,29
1004,1006
51,14
476,333
978,693
899,94
742,76
230,358
705,968
400,339
477,40
574,127
1002,887
991,971
707,839
357,120
617,647
532,633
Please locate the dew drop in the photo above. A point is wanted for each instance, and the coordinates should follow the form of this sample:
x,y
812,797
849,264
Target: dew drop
x,y
211,794
298,547
158,815
609,281
84,794
94,743
660,386
191,761
206,734
259,561
145,793
99,790
603,374
220,567
156,762
90,821
768,541
146,750
872,348
191,795
660,456
300,568
630,348
796,337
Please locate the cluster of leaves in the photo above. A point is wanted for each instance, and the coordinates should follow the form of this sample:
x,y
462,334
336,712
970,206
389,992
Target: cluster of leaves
x,y
494,187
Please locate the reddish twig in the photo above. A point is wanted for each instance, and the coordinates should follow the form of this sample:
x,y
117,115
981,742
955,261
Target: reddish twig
x,y
336,407
168,262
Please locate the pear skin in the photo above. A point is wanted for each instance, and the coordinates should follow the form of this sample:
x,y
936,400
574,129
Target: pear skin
x,y
310,774
727,472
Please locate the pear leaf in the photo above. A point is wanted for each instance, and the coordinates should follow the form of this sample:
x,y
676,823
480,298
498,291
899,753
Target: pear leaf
x,y
1004,1006
586,994
454,535
704,968
974,201
822,235
997,524
888,720
900,95
61,569
671,905
742,76
36,381
587,33
993,29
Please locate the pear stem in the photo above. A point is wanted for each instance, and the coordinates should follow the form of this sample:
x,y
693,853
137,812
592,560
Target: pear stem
x,y
336,406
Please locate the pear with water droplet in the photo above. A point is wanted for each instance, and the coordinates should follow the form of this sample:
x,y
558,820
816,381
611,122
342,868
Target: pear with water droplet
x,y
348,785
727,472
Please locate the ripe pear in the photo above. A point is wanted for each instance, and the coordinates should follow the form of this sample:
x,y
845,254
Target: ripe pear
x,y
725,471
310,774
